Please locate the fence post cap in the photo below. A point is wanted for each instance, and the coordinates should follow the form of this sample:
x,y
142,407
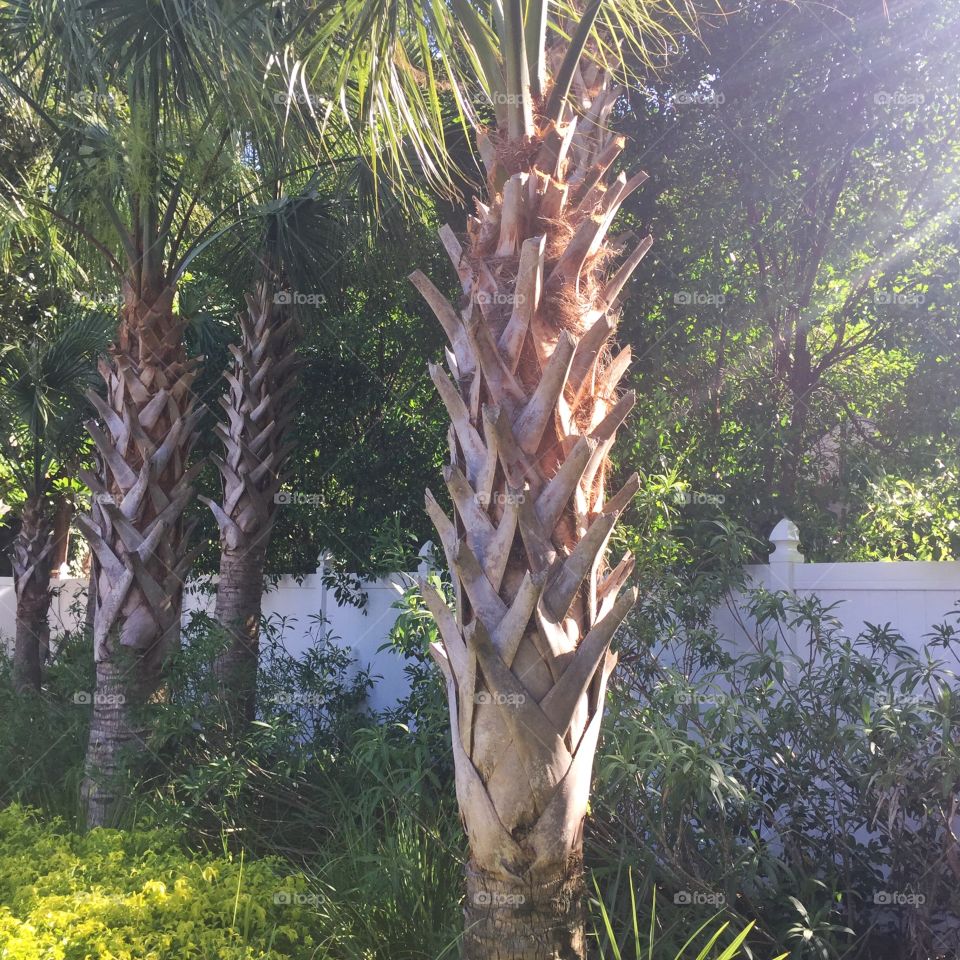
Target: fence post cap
x,y
785,538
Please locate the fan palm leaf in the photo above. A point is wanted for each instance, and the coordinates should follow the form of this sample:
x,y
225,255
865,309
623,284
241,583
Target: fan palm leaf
x,y
398,62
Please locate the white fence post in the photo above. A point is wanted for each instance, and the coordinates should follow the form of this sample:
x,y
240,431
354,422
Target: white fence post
x,y
785,538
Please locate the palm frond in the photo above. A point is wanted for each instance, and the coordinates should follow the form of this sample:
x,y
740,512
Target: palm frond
x,y
78,336
44,379
138,98
392,66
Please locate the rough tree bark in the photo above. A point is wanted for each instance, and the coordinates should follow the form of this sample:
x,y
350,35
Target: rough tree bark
x,y
534,406
148,426
259,409
31,578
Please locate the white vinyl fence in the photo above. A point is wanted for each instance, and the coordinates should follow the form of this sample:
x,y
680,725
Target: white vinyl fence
x,y
911,596
302,611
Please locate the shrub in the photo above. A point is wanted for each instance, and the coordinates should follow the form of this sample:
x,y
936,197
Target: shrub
x,y
364,806
135,895
256,787
801,781
910,520
788,782
43,737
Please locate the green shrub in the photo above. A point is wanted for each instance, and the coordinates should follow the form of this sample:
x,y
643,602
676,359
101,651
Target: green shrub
x,y
910,519
135,895
43,738
793,781
254,788
364,806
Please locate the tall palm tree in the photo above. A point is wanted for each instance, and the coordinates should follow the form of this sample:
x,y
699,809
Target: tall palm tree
x,y
294,242
535,410
532,395
42,386
145,101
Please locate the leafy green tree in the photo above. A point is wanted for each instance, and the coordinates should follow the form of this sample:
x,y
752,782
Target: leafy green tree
x,y
803,180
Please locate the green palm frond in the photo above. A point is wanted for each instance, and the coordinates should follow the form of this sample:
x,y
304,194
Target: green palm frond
x,y
395,66
144,102
43,381
170,54
297,239
77,337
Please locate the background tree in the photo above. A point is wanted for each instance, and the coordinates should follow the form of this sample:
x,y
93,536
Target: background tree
x,y
803,300
295,242
367,429
53,333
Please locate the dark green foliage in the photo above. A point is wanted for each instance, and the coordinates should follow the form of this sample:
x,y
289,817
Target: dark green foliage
x,y
792,779
42,740
794,328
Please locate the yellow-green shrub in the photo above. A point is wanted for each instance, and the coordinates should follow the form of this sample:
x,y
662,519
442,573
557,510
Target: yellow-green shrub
x,y
136,895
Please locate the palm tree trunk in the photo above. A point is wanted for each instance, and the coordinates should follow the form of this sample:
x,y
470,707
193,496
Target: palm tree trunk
x,y
31,577
534,409
147,429
542,920
116,729
239,597
259,408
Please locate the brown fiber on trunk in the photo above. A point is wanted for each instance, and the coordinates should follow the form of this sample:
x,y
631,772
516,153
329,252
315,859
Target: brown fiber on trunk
x,y
532,395
259,409
146,431
31,577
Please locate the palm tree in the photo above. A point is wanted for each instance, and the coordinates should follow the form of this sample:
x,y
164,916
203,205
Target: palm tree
x,y
259,405
145,101
298,239
535,410
532,395
42,386
255,438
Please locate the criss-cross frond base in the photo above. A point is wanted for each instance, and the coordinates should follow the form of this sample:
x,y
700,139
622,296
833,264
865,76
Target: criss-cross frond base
x,y
532,395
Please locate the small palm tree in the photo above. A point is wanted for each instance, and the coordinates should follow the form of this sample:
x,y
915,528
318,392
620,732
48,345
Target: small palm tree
x,y
42,387
299,246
